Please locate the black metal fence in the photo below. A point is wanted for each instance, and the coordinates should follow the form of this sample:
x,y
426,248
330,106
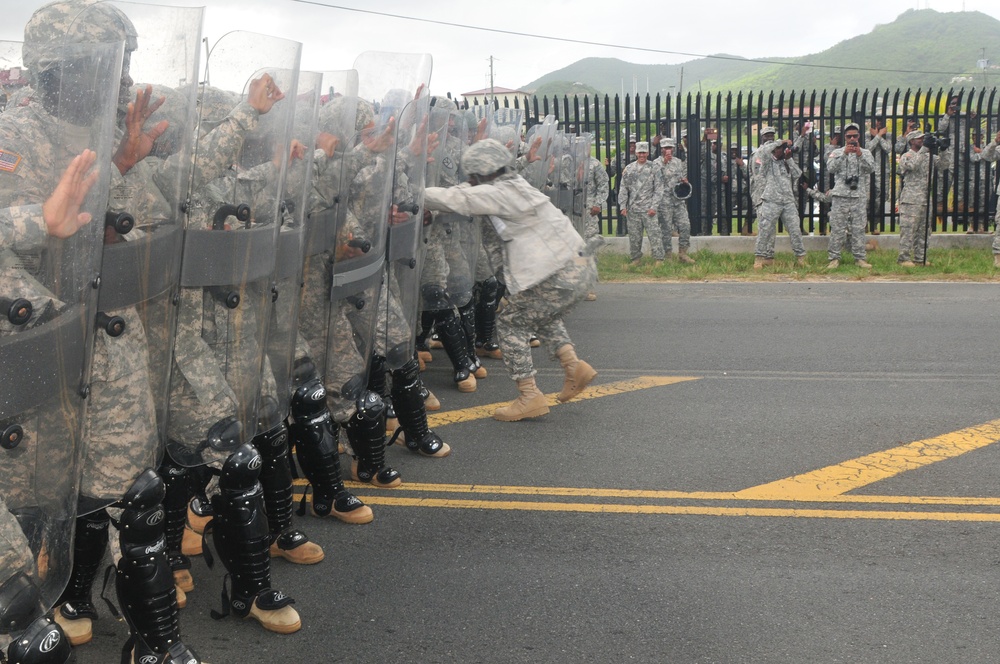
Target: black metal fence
x,y
719,202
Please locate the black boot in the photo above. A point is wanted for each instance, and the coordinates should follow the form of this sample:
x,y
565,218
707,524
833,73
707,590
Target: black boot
x,y
452,336
242,540
145,583
177,492
314,434
75,609
367,435
276,480
487,301
412,414
427,317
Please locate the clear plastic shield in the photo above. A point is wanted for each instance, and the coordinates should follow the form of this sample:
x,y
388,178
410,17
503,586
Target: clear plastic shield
x,y
562,173
544,134
283,333
399,82
581,168
49,267
451,240
505,126
345,247
230,247
140,272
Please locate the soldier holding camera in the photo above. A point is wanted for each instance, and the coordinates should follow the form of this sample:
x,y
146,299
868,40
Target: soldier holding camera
x,y
915,169
851,166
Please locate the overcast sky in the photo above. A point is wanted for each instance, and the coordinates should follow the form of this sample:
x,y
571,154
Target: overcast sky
x,y
334,36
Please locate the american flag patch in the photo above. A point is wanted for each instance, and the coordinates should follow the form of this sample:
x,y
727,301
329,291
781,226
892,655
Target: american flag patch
x,y
9,161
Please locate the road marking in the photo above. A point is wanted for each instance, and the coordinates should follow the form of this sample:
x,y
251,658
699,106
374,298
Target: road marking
x,y
593,392
838,479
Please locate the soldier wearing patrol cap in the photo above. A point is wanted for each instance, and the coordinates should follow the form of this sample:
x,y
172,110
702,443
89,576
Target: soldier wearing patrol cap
x,y
672,211
914,222
638,199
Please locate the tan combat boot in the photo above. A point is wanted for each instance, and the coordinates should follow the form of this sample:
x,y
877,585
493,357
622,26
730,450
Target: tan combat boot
x,y
801,261
758,263
833,265
996,260
578,373
531,403
306,553
862,263
683,257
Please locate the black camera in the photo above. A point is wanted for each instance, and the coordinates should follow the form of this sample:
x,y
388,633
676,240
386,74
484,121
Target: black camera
x,y
852,182
937,141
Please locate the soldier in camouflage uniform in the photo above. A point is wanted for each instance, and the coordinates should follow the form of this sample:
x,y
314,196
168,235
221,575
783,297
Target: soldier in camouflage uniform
x,y
672,211
991,153
851,166
545,270
598,190
776,174
640,192
914,224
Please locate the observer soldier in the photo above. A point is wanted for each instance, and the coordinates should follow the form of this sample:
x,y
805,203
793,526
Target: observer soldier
x,y
851,166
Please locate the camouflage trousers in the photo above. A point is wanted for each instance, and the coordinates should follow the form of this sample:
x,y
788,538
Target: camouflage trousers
x,y
592,232
847,214
674,217
996,233
636,222
770,214
913,231
539,310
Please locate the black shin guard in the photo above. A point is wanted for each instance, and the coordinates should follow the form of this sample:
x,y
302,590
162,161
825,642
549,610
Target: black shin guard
x,y
452,337
37,639
178,490
90,542
241,536
276,481
427,317
145,583
467,315
314,433
486,314
411,412
377,384
366,431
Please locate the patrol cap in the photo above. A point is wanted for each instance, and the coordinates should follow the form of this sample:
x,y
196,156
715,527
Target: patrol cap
x,y
836,130
443,103
667,142
485,157
642,146
853,125
767,129
631,138
914,135
65,22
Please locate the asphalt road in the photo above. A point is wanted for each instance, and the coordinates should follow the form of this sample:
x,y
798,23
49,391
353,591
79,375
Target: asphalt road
x,y
665,551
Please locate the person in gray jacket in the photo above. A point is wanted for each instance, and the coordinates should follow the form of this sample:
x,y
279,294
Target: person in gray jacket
x,y
545,268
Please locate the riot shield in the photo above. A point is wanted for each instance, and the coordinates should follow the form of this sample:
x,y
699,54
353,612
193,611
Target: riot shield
x,y
581,169
545,134
562,175
400,82
451,240
63,137
345,248
283,332
230,244
140,270
505,126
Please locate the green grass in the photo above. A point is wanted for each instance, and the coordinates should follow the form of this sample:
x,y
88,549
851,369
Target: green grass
x,y
946,265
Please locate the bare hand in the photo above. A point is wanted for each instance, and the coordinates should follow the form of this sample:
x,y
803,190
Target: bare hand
x,y
137,144
383,141
651,212
264,94
596,209
533,150
62,210
481,130
396,216
327,143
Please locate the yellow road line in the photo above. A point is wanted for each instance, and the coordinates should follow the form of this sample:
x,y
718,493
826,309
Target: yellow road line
x,y
840,478
593,392
678,510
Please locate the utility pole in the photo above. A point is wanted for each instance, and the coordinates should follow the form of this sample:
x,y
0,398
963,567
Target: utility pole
x,y
493,97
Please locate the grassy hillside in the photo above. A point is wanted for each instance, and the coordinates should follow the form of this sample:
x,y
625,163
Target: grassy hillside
x,y
919,40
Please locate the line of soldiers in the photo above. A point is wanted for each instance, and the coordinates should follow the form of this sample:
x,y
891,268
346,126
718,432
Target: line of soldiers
x,y
199,278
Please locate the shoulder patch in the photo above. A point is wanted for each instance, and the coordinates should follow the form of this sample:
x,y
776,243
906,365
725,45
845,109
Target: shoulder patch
x,y
9,161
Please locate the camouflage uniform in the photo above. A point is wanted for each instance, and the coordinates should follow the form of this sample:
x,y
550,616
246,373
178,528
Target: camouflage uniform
x,y
776,179
640,192
914,225
848,211
672,211
598,189
991,153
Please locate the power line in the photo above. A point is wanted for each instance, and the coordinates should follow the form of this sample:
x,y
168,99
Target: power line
x,y
620,46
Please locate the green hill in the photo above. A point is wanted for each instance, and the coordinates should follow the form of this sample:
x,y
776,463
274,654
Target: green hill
x,y
889,56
